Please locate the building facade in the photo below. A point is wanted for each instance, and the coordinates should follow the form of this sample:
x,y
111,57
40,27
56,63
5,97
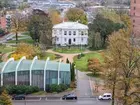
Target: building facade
x,y
5,22
34,72
135,16
70,33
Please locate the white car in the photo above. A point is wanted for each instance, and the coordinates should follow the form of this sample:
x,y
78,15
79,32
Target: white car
x,y
105,96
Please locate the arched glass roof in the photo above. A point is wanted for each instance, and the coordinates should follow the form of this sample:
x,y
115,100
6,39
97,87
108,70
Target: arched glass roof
x,y
25,65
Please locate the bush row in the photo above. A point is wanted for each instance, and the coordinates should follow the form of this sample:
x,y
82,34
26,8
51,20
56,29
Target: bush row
x,y
21,89
56,88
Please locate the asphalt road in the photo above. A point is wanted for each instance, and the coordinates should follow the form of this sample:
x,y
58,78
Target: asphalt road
x,y
57,102
83,85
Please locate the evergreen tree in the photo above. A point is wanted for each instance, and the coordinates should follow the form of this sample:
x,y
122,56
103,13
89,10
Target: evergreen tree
x,y
72,72
67,61
5,98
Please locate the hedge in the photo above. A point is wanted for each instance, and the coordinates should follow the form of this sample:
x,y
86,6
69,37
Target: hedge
x,y
56,88
20,89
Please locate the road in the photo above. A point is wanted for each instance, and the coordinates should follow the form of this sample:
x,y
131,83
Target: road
x,y
83,85
78,102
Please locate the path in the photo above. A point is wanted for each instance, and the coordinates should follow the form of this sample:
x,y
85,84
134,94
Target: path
x,y
83,85
65,56
5,56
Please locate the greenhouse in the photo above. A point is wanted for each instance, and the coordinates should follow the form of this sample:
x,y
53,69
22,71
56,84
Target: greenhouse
x,y
34,72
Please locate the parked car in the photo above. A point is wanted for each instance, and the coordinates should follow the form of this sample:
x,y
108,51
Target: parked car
x,y
18,97
9,38
105,96
69,97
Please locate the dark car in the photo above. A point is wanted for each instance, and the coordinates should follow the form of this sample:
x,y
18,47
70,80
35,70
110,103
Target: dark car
x,y
18,97
69,97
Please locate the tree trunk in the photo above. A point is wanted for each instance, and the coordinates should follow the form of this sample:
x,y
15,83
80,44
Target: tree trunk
x,y
126,89
113,93
16,37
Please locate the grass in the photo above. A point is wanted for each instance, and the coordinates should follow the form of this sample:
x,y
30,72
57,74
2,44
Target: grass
x,y
4,49
39,93
20,36
82,63
68,51
29,40
26,33
50,55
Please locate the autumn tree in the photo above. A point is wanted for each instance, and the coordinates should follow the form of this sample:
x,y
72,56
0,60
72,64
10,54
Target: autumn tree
x,y
40,28
55,16
94,65
27,50
76,14
19,23
124,65
5,98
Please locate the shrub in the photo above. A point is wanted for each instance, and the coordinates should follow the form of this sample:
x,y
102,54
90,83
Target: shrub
x,y
21,89
56,88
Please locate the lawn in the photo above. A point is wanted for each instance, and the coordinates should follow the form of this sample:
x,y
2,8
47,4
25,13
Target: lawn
x,y
50,55
21,36
29,40
4,49
82,63
69,50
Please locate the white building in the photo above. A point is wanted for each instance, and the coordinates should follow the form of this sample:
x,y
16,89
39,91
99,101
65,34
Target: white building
x,y
70,33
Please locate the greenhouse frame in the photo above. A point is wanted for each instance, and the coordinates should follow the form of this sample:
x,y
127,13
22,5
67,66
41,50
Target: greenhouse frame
x,y
34,72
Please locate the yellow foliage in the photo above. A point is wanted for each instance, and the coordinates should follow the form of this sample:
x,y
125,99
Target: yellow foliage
x,y
25,50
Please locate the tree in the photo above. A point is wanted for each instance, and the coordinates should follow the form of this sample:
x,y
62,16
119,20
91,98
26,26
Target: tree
x,y
72,72
94,65
76,14
40,28
19,23
105,27
27,50
67,61
5,98
124,65
55,17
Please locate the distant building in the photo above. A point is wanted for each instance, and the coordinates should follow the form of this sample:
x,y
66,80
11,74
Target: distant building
x,y
70,33
34,72
5,22
135,16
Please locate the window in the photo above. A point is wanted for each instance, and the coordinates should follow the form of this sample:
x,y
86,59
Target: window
x,y
133,21
134,8
134,1
134,14
65,39
69,32
82,33
74,40
74,32
65,32
82,39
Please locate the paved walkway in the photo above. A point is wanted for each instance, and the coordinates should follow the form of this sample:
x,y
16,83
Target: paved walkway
x,y
65,56
5,56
